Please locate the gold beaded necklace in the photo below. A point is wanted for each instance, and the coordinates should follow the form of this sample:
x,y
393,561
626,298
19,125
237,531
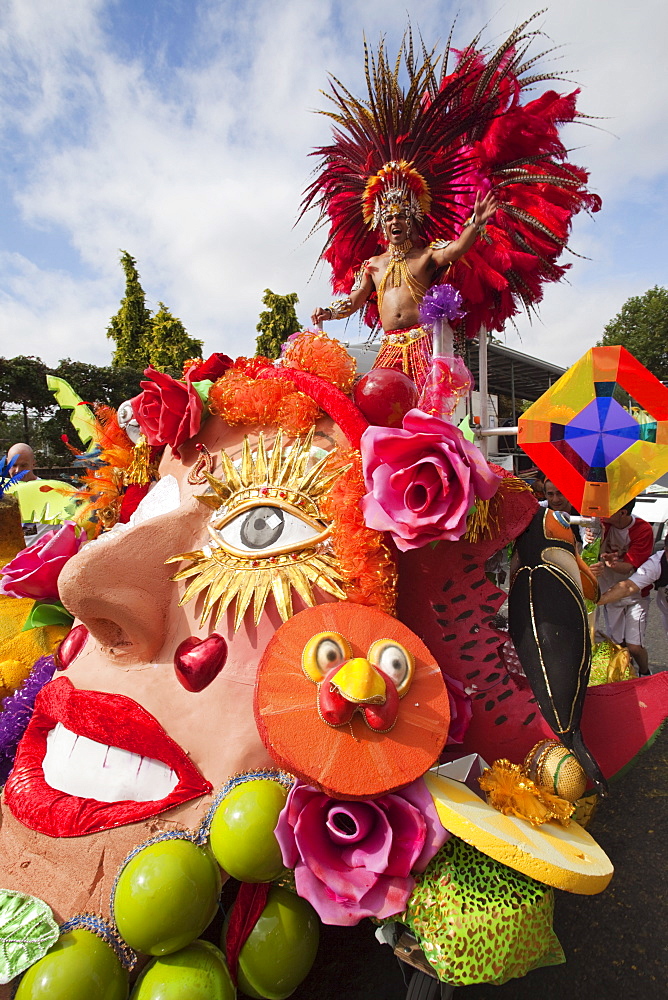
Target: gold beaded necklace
x,y
398,271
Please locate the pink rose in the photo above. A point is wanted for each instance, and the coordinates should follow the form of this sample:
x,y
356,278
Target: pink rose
x,y
168,411
34,571
354,859
422,479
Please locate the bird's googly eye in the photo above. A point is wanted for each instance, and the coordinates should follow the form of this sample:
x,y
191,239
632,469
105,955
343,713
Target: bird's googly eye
x,y
324,651
393,660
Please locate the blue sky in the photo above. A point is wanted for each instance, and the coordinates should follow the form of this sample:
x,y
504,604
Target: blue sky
x,y
179,130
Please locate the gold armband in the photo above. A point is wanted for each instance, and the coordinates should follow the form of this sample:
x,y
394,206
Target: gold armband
x,y
439,244
340,308
359,276
479,226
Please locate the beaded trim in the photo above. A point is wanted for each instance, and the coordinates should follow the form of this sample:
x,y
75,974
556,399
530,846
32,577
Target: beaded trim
x,y
406,336
106,932
283,778
167,835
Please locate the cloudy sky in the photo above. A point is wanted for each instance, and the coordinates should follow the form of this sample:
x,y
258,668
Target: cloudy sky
x,y
179,130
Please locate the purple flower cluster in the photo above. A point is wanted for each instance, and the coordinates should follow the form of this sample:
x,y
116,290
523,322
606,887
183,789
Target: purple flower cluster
x,y
441,302
17,710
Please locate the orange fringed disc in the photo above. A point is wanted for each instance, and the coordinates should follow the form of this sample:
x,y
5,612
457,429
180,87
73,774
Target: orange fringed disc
x,y
351,761
321,355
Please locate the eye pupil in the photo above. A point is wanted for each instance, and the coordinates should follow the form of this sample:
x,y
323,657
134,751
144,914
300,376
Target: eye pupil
x,y
328,653
263,527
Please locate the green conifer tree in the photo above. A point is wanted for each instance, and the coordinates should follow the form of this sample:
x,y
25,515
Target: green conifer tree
x,y
130,328
277,323
170,344
142,338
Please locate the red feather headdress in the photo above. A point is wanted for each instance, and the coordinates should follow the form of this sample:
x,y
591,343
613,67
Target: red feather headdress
x,y
431,145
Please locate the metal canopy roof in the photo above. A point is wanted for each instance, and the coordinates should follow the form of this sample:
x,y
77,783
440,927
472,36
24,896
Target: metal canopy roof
x,y
511,373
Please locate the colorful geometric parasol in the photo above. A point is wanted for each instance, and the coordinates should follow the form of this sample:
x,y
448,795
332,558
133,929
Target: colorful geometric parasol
x,y
600,433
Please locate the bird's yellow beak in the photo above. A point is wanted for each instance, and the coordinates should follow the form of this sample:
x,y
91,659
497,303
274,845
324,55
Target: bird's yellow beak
x,y
360,683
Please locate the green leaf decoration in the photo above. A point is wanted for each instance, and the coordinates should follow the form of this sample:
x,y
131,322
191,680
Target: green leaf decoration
x,y
27,931
47,613
466,429
202,390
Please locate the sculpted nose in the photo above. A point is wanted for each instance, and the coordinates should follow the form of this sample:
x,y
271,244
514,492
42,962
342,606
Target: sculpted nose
x,y
119,587
360,683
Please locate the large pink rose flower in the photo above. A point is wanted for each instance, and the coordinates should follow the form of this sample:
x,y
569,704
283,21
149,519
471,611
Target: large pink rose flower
x,y
422,479
168,411
354,859
34,571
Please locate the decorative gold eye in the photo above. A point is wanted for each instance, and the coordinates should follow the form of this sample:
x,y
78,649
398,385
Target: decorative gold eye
x,y
394,661
265,530
324,651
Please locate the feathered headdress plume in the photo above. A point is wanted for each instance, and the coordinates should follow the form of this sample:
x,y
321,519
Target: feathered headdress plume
x,y
430,145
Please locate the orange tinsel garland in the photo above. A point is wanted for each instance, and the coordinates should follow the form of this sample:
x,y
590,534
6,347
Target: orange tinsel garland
x,y
249,394
101,490
239,397
362,553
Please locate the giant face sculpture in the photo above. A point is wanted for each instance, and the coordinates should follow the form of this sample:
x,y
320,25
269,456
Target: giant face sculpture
x,y
239,623
155,712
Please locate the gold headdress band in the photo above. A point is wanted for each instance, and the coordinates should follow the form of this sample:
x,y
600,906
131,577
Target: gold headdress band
x,y
396,186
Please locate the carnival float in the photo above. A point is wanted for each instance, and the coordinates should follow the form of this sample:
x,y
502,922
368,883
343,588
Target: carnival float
x,y
287,671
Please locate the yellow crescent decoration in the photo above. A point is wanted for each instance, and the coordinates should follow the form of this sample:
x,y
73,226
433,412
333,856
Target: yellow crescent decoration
x,y
566,858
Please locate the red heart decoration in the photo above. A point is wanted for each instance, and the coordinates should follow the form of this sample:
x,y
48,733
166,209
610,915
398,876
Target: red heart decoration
x,y
198,661
70,647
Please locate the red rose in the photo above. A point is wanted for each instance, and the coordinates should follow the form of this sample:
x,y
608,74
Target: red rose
x,y
214,366
168,412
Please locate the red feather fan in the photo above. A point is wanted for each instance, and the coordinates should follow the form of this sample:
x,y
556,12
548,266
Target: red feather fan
x,y
463,131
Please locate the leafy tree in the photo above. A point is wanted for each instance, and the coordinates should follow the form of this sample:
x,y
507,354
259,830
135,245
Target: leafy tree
x,y
277,323
142,338
642,328
170,344
100,384
23,383
130,328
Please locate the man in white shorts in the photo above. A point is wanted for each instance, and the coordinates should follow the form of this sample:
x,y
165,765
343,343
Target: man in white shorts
x,y
627,543
652,573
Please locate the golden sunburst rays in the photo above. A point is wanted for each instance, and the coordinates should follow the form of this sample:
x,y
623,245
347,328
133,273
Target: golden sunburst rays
x,y
263,482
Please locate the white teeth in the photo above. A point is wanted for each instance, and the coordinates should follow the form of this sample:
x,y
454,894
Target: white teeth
x,y
79,766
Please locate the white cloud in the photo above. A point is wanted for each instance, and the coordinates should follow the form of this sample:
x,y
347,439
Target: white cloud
x,y
199,174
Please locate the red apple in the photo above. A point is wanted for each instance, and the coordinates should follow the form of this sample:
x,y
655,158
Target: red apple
x,y
385,395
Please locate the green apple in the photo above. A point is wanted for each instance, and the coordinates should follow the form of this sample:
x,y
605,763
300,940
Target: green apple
x,y
79,966
197,972
166,896
280,949
242,831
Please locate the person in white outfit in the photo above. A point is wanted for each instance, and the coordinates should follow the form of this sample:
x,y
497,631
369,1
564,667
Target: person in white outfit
x,y
652,573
